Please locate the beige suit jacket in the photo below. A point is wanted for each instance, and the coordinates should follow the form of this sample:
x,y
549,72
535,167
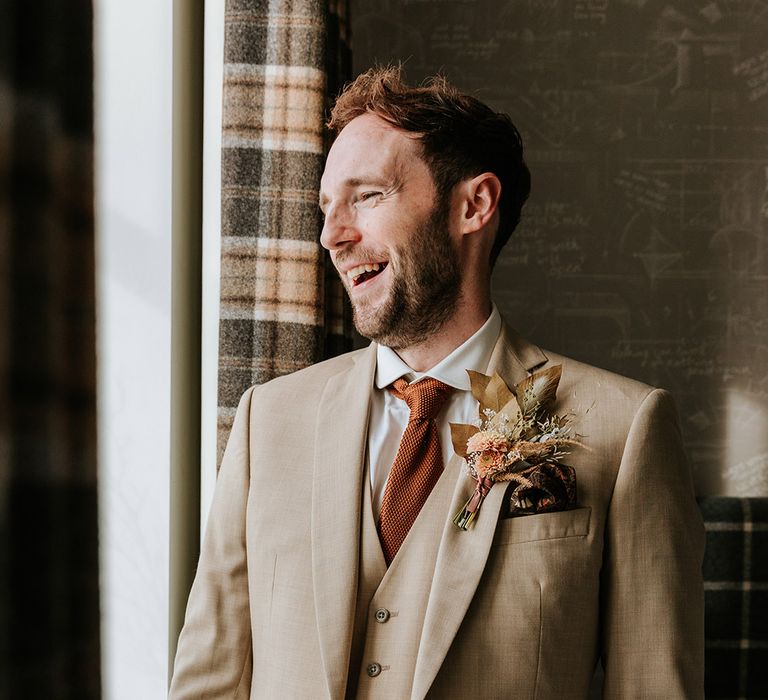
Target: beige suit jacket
x,y
518,607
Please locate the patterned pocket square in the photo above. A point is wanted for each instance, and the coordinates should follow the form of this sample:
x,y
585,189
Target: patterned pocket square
x,y
541,488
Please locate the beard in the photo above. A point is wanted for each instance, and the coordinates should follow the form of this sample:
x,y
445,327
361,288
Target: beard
x,y
424,292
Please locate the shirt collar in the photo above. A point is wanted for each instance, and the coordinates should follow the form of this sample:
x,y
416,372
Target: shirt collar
x,y
474,353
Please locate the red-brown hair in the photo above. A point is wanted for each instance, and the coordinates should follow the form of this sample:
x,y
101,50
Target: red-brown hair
x,y
460,136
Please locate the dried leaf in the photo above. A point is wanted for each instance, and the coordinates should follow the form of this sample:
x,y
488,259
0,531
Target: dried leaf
x,y
510,409
460,434
538,389
478,382
497,393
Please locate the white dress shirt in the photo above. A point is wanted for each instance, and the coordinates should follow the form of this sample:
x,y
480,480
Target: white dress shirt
x,y
389,415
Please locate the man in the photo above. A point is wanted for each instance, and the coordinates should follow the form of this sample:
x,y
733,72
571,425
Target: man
x,y
332,567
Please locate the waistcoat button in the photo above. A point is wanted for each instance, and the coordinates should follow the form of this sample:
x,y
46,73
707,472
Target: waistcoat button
x,y
382,615
373,670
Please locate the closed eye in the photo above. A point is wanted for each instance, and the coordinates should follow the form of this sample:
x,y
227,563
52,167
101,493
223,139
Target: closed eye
x,y
368,195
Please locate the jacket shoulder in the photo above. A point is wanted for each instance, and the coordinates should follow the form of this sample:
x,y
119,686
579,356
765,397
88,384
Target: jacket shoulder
x,y
577,377
585,378
306,383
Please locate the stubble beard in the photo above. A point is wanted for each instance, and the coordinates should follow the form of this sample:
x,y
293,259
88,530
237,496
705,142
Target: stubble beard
x,y
424,292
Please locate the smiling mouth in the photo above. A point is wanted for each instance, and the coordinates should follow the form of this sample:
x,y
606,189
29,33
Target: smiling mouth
x,y
363,273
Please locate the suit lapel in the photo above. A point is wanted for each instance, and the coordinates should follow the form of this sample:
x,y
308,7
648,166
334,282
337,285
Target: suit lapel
x,y
340,441
462,555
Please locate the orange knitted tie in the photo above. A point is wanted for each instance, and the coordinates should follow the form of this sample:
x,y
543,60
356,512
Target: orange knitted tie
x,y
418,463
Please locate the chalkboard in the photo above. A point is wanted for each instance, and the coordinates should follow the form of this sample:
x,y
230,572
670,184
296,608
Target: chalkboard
x,y
643,246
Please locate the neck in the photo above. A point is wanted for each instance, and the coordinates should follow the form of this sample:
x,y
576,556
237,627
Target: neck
x,y
468,319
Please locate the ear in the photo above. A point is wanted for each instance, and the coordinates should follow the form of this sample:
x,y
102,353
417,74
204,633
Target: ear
x,y
479,201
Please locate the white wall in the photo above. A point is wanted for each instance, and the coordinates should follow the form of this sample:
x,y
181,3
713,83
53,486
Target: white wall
x,y
133,80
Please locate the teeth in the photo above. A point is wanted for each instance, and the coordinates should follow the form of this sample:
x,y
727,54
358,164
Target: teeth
x,y
360,269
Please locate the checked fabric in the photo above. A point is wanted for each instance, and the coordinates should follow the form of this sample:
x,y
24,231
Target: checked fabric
x,y
418,463
736,598
282,304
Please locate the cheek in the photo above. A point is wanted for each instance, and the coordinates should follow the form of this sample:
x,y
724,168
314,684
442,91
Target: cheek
x,y
385,226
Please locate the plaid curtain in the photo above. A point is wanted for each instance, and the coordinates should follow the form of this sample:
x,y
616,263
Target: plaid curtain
x,y
282,307
736,598
49,600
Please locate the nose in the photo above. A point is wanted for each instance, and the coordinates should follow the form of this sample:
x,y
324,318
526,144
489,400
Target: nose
x,y
339,228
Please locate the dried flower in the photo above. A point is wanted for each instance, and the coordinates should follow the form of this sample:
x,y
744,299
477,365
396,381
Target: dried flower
x,y
515,439
488,440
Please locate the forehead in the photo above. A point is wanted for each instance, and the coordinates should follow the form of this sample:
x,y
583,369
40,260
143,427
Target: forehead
x,y
369,149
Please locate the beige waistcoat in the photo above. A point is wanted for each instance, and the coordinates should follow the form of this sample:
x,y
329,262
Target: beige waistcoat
x,y
387,633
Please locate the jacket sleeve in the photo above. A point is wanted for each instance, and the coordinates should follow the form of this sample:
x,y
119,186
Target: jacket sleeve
x,y
213,658
652,596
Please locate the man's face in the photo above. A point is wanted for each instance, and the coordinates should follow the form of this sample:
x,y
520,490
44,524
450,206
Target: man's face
x,y
388,234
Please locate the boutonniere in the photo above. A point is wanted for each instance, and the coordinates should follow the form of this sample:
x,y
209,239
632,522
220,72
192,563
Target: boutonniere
x,y
517,439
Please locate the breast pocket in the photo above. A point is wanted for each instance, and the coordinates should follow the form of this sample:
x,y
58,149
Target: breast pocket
x,y
544,526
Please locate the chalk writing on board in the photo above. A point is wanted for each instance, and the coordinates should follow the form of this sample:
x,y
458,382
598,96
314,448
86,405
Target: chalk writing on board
x,y
643,247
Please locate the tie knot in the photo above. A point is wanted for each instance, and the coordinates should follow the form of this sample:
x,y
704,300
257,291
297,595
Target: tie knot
x,y
425,398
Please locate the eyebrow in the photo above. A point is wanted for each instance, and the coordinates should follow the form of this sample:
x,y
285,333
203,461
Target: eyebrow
x,y
361,180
